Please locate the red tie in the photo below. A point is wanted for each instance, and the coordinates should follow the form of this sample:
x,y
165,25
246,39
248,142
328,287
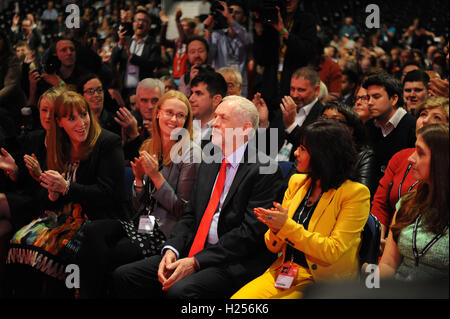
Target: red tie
x,y
203,229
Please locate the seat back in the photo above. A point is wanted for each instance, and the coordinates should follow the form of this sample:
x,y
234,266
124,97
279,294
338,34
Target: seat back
x,y
285,168
129,178
370,241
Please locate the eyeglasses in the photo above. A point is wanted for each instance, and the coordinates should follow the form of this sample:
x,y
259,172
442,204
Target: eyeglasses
x,y
169,114
91,91
362,97
141,20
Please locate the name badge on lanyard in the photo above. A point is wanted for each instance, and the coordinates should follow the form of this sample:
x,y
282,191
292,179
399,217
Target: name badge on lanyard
x,y
146,224
286,276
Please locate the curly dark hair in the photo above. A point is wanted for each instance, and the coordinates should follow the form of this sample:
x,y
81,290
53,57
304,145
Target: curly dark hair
x,y
332,152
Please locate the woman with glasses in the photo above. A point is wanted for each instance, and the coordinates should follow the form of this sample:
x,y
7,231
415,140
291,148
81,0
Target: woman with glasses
x,y
398,178
164,175
91,87
417,245
365,163
362,104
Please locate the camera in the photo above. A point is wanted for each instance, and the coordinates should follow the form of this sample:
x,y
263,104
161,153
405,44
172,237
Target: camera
x,y
50,62
220,22
267,9
128,26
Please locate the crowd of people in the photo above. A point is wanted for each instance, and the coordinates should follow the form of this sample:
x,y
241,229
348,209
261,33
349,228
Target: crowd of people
x,y
202,126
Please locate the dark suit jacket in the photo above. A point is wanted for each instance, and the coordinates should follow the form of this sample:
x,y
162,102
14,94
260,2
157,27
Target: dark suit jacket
x,y
240,249
293,137
147,62
99,186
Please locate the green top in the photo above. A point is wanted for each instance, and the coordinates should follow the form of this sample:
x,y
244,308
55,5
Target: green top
x,y
431,265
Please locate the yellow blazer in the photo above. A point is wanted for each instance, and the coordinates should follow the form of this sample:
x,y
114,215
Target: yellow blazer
x,y
331,242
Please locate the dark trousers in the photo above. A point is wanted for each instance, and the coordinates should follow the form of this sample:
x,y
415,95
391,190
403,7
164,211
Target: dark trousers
x,y
105,247
140,280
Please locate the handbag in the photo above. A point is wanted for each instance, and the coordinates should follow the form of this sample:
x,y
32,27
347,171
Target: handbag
x,y
151,243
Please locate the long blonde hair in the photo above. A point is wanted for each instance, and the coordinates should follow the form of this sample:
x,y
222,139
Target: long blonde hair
x,y
154,145
58,142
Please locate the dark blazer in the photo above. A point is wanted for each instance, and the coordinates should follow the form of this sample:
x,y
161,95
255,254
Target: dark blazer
x,y
99,185
23,198
293,137
147,62
240,250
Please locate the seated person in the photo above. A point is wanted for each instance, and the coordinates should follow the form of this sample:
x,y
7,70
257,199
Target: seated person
x,y
91,87
162,189
417,245
19,203
318,226
365,163
84,180
217,245
398,178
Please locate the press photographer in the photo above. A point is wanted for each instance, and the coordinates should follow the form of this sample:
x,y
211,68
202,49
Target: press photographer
x,y
229,42
292,37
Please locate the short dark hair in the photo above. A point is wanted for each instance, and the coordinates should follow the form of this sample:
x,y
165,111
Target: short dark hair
x,y
84,79
199,38
352,76
353,120
141,10
392,85
332,152
214,81
417,76
307,73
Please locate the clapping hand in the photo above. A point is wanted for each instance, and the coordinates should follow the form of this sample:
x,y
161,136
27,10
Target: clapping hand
x,y
263,111
289,109
33,166
274,218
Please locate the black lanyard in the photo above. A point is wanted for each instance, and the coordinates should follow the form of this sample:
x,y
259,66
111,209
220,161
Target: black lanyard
x,y
309,210
401,183
416,253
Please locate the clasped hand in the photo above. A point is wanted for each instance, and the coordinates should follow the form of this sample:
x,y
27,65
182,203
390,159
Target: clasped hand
x,y
172,270
274,218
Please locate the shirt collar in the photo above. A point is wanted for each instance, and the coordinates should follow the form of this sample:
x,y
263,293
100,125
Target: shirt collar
x,y
394,120
236,157
140,41
307,108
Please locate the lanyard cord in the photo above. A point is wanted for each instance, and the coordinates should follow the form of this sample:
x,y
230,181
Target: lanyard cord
x,y
416,253
403,179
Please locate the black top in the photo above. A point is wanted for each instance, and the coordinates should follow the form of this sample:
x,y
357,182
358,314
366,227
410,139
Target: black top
x,y
302,216
403,136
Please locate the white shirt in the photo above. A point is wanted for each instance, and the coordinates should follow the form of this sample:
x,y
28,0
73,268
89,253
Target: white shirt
x,y
392,123
285,151
234,159
132,77
302,113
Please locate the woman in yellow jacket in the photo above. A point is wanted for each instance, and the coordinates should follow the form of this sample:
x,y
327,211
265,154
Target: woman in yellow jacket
x,y
318,226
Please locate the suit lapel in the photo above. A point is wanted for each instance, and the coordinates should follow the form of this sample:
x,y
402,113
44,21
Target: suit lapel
x,y
243,169
320,209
